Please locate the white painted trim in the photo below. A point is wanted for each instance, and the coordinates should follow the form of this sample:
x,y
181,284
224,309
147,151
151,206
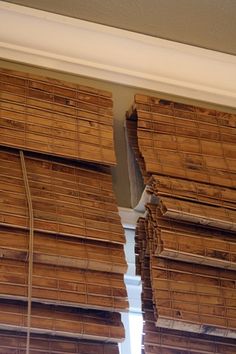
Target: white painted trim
x,y
129,217
62,43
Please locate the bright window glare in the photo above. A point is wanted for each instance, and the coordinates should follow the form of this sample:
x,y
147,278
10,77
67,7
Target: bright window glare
x,y
136,328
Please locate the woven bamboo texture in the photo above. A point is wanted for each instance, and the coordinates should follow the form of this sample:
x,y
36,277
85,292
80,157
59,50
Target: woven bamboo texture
x,y
67,199
64,286
62,321
15,343
183,242
186,141
191,243
56,117
62,260
187,296
185,247
64,251
164,340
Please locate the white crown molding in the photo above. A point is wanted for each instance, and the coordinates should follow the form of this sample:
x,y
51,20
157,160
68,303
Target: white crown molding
x,y
61,43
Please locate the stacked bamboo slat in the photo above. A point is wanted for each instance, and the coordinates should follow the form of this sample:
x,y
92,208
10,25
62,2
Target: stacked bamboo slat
x,y
186,248
14,342
166,340
62,259
55,117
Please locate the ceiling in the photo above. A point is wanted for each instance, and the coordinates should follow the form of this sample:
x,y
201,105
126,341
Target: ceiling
x,y
204,23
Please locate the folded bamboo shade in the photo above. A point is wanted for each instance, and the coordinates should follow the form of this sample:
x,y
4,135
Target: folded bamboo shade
x,y
157,339
186,141
194,191
185,246
67,200
62,321
14,342
56,117
208,215
181,241
64,285
194,297
64,251
188,296
62,260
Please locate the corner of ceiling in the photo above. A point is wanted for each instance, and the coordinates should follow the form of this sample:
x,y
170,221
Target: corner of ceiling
x,y
61,43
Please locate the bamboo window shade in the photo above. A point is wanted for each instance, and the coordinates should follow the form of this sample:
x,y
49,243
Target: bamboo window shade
x,y
14,342
67,199
62,260
185,245
55,117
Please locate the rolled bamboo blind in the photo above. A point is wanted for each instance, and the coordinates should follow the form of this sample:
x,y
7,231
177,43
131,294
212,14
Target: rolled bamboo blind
x,y
14,342
67,199
56,117
62,321
159,339
62,291
185,247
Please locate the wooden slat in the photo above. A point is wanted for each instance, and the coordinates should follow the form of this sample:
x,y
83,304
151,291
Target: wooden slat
x,y
185,141
63,251
191,243
55,117
15,342
61,321
194,298
63,285
67,199
218,217
191,190
168,341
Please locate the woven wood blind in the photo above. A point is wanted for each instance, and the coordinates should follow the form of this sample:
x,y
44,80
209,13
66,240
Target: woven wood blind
x,y
185,247
14,342
56,117
62,260
67,199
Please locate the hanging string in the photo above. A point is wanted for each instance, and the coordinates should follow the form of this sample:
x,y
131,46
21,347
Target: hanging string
x,y
31,248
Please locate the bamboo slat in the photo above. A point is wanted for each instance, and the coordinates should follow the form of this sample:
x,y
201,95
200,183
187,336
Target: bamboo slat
x,y
194,298
61,321
63,251
15,343
191,190
191,243
218,217
197,249
190,297
55,117
163,340
67,200
185,247
64,286
185,141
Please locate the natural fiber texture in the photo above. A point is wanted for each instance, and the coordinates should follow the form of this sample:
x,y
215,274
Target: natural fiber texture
x,y
186,141
62,321
164,340
185,246
187,296
63,285
14,342
63,251
62,260
56,117
67,200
